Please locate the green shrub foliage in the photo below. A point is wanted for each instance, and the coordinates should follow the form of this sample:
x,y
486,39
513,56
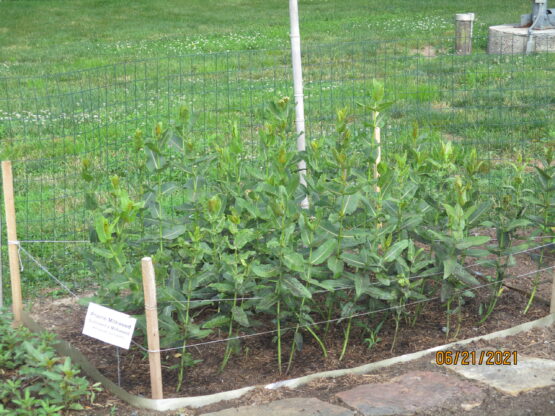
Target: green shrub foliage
x,y
235,253
35,381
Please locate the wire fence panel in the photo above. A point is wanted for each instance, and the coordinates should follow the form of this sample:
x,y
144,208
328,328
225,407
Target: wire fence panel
x,y
50,124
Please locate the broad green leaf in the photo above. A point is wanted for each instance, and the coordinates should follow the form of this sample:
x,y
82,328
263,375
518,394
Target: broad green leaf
x,y
306,237
329,284
246,205
450,210
517,249
411,222
266,303
323,252
216,322
76,406
472,242
378,91
370,209
543,176
480,210
348,310
223,287
354,238
243,237
154,162
466,277
240,316
335,265
264,270
361,284
287,233
377,293
155,209
296,288
409,191
294,261
449,266
52,376
521,222
352,259
395,250
103,252
349,203
196,332
173,232
149,198
476,252
329,228
102,228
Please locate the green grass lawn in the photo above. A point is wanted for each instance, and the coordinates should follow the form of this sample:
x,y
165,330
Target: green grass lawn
x,y
43,36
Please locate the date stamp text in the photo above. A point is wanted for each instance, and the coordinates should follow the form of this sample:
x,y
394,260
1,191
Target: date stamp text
x,y
483,357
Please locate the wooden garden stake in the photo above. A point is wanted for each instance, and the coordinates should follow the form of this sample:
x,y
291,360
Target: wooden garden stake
x,y
151,312
552,308
1,270
13,251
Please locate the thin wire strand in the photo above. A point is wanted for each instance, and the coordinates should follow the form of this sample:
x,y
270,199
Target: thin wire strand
x,y
44,269
273,331
55,241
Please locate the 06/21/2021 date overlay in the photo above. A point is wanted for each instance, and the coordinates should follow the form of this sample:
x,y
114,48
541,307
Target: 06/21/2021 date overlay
x,y
483,357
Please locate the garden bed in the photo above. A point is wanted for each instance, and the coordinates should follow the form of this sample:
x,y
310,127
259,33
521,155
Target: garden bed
x,y
256,364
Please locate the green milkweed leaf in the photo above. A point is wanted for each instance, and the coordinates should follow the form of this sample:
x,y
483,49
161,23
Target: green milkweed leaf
x,y
216,322
472,241
294,261
323,252
171,233
296,288
240,316
395,250
264,270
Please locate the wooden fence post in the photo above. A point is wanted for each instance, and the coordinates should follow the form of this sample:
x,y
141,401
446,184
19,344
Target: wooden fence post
x,y
151,312
552,308
13,250
1,267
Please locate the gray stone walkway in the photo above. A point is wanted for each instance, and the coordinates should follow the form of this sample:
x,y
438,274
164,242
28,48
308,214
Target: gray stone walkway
x,y
416,391
409,393
288,407
530,373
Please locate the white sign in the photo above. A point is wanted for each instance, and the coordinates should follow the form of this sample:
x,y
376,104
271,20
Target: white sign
x,y
108,325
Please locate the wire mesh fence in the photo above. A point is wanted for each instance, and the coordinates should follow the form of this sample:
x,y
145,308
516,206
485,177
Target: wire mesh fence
x,y
50,124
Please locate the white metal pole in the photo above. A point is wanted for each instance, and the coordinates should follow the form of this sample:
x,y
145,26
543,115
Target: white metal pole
x,y
298,89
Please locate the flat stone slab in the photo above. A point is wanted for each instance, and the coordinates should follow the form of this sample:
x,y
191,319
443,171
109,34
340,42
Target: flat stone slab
x,y
410,393
287,407
529,373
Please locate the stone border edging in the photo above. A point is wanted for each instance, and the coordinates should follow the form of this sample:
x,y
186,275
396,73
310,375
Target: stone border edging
x,y
65,348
